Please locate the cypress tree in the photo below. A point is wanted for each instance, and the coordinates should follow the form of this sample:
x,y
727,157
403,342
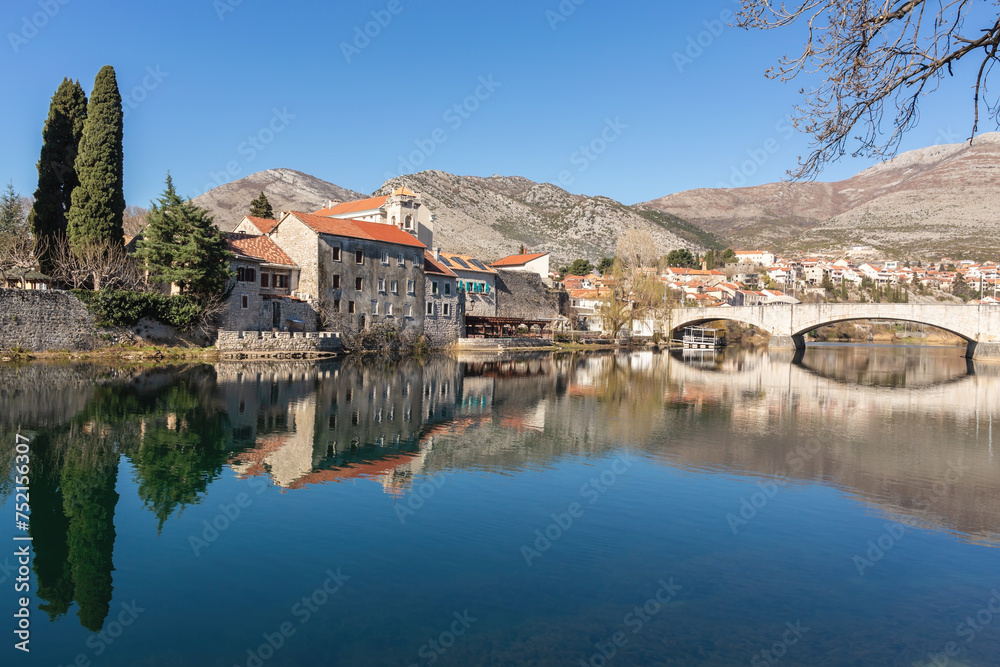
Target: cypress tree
x,y
98,203
56,165
182,246
261,208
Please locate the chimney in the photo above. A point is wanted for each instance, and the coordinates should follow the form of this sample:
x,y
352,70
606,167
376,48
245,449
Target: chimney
x,y
333,202
437,254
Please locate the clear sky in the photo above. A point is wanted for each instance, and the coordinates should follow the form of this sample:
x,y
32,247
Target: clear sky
x,y
665,94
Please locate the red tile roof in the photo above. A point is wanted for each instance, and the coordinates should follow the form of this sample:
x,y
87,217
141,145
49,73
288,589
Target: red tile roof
x,y
265,225
430,266
258,247
358,229
353,207
518,260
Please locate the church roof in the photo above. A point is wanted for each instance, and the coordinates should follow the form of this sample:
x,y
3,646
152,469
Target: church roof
x,y
353,207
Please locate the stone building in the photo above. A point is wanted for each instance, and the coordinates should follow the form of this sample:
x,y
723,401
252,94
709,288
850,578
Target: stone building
x,y
477,280
264,279
255,226
402,209
444,316
355,273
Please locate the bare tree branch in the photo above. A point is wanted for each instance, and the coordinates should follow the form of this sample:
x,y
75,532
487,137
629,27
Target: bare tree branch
x,y
876,58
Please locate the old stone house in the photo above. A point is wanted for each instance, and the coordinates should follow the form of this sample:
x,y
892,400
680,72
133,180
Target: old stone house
x,y
444,316
261,296
355,273
537,262
476,279
255,226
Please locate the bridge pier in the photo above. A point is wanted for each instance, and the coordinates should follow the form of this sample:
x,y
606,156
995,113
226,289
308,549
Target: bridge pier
x,y
795,342
977,350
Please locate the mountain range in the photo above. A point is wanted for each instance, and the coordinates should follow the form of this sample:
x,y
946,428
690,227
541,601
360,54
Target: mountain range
x,y
942,200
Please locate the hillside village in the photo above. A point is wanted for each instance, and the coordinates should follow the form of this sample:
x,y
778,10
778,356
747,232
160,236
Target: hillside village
x,y
351,266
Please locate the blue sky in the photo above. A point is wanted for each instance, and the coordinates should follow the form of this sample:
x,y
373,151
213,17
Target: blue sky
x,y
218,89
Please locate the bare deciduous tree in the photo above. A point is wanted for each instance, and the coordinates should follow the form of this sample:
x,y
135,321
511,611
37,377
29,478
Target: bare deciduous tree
x,y
18,257
97,266
134,220
876,59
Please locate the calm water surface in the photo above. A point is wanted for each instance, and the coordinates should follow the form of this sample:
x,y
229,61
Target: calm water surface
x,y
841,508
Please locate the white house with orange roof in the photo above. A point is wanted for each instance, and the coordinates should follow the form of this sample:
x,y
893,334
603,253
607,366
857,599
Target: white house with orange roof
x,y
537,262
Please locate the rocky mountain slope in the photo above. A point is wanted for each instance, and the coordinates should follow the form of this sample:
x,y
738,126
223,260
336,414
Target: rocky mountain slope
x,y
286,189
927,202
488,217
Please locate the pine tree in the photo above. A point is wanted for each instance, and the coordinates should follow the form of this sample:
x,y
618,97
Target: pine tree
x,y
261,208
11,213
57,175
98,203
182,246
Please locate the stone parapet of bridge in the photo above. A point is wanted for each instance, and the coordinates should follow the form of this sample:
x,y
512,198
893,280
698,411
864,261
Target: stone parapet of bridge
x,y
788,324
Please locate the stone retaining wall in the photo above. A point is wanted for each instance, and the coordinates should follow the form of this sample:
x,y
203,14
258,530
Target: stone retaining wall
x,y
278,342
494,344
39,320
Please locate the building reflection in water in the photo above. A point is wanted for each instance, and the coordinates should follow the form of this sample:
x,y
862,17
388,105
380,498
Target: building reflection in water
x,y
892,425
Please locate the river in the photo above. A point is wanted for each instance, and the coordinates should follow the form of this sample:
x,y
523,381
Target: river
x,y
838,507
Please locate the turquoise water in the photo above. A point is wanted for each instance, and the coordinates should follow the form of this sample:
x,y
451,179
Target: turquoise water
x,y
636,509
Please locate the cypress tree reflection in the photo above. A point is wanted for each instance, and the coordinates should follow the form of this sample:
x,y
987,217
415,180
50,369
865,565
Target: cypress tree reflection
x,y
48,529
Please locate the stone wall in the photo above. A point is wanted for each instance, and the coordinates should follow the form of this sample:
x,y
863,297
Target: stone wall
x,y
40,320
278,342
500,344
442,330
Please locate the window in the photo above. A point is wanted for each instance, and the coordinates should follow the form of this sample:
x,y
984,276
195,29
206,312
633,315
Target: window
x,y
350,309
408,310
246,302
394,287
388,309
447,288
281,281
251,275
411,286
336,305
381,284
336,281
264,279
447,309
400,261
434,287
475,287
359,283
385,257
430,308
246,275
409,222
336,253
374,307
359,256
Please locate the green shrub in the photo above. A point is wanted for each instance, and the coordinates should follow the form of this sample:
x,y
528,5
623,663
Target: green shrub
x,y
125,309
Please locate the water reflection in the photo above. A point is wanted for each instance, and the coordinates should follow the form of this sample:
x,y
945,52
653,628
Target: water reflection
x,y
894,426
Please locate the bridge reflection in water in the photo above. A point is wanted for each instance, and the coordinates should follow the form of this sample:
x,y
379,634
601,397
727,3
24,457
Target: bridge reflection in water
x,y
908,431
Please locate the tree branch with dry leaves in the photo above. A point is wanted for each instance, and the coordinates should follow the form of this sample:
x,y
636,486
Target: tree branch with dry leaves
x,y
875,60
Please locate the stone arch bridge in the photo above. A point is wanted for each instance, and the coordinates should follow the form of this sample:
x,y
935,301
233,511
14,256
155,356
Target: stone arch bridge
x,y
788,324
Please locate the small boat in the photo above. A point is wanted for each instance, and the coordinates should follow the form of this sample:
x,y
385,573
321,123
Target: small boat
x,y
702,338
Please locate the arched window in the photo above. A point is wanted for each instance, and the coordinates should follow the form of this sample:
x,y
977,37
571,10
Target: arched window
x,y
409,222
393,221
